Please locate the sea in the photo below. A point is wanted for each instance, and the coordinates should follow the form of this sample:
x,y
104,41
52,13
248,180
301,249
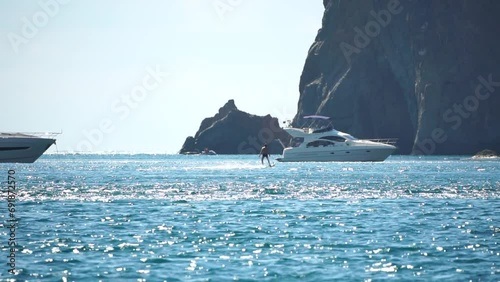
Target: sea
x,y
157,217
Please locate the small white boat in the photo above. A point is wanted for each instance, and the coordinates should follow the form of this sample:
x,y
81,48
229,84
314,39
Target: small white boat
x,y
325,144
208,152
24,147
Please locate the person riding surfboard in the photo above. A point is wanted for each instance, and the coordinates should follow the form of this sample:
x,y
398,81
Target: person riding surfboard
x,y
264,152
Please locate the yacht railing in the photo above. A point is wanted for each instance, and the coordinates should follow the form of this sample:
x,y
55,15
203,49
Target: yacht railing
x,y
283,145
51,135
389,141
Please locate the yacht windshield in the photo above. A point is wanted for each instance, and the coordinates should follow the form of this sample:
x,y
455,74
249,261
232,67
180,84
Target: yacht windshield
x,y
349,136
323,129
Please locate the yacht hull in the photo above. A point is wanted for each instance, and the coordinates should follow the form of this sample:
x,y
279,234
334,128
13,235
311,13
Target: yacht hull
x,y
342,155
23,150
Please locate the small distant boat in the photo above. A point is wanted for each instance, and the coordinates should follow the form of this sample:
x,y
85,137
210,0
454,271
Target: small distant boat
x,y
24,147
208,152
486,154
325,144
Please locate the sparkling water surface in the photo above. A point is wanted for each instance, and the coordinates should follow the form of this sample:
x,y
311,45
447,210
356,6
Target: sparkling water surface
x,y
220,218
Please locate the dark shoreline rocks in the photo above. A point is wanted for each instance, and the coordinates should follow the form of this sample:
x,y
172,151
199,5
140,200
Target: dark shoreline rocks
x,y
486,153
232,131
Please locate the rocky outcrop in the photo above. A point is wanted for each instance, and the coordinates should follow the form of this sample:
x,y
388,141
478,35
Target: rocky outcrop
x,y
232,131
426,72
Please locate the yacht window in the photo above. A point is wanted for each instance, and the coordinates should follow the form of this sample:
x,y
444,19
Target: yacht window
x,y
320,143
295,142
334,138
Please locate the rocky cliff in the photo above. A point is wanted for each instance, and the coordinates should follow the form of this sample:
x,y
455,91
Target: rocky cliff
x,y
426,72
232,131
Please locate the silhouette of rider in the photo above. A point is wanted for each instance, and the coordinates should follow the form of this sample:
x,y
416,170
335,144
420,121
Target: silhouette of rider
x,y
264,152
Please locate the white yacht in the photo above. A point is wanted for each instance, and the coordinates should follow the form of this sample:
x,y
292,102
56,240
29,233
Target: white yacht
x,y
24,147
325,144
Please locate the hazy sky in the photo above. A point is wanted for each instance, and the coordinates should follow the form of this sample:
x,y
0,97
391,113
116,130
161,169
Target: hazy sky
x,y
139,76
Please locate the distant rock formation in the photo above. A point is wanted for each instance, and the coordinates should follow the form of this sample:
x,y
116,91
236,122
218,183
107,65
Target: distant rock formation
x,y
426,72
232,131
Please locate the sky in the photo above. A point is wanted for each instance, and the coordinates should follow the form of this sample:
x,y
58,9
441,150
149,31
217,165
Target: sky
x,y
140,76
